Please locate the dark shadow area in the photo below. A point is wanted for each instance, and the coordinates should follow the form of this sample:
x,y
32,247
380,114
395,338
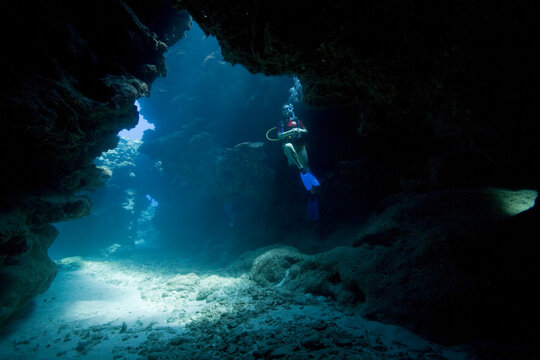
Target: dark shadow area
x,y
17,320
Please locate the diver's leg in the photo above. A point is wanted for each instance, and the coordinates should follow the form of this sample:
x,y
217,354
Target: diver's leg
x,y
302,156
292,156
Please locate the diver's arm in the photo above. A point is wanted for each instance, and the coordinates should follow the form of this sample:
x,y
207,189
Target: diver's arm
x,y
292,132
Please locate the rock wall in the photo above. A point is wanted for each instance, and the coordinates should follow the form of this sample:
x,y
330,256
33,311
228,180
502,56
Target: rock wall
x,y
71,73
451,82
451,275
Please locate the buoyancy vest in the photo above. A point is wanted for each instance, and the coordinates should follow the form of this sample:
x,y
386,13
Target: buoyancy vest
x,y
291,123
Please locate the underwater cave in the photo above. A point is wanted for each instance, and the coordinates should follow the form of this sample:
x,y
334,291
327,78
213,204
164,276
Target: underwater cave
x,y
190,179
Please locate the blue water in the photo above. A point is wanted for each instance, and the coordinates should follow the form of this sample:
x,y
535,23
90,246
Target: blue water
x,y
165,197
136,133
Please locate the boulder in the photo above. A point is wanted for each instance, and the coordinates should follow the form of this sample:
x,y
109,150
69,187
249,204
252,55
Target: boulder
x,y
277,266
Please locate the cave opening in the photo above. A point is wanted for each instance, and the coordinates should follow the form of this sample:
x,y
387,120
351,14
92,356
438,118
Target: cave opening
x,y
137,133
189,153
213,238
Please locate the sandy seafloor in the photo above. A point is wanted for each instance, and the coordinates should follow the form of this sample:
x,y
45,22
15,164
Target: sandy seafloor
x,y
156,307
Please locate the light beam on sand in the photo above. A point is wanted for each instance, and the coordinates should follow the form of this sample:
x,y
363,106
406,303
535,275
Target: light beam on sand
x,y
157,308
105,291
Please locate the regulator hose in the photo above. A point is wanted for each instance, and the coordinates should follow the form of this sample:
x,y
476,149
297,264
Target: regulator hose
x,y
275,127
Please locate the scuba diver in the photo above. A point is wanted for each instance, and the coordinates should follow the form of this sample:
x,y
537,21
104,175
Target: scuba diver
x,y
292,131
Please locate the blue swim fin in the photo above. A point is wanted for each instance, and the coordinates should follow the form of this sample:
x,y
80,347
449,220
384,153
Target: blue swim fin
x,y
309,180
312,210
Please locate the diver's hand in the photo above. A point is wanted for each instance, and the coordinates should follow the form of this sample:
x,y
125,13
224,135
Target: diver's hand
x,y
296,132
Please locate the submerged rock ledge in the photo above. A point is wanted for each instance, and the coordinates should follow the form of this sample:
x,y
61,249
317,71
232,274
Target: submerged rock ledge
x,y
71,74
423,265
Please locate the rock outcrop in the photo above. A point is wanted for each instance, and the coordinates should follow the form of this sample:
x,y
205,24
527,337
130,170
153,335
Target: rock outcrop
x,y
72,73
422,264
450,85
